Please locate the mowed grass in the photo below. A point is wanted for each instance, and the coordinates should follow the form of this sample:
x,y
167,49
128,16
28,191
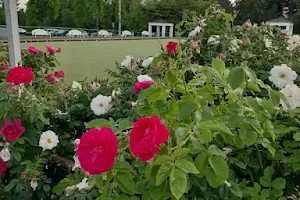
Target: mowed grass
x,y
90,59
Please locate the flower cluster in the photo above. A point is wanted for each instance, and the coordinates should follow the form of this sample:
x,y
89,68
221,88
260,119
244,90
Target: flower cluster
x,y
98,148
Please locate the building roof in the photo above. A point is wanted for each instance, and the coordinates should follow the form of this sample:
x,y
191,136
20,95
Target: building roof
x,y
280,19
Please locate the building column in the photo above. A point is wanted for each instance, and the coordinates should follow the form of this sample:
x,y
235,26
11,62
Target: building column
x,y
158,31
163,34
171,31
150,29
12,26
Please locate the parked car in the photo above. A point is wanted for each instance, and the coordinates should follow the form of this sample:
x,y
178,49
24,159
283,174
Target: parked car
x,y
85,33
52,31
94,34
61,32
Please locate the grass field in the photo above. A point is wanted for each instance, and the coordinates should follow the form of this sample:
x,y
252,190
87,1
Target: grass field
x,y
90,59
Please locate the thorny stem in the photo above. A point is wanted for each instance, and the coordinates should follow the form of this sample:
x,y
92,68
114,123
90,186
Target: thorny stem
x,y
259,156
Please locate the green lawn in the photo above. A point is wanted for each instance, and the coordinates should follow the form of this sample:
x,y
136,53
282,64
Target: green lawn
x,y
91,59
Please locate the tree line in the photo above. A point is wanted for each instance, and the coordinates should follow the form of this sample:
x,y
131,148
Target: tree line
x,y
103,14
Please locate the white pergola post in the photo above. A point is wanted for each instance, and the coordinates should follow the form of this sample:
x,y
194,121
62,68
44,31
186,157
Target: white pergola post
x,y
163,33
150,29
12,26
158,31
171,31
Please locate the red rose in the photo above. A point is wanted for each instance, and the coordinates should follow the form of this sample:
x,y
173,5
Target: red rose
x,y
59,74
3,66
50,49
97,150
12,132
33,50
3,167
19,75
146,137
58,50
51,78
172,48
220,56
138,87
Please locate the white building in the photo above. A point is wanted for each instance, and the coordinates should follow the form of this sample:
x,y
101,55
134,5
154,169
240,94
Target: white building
x,y
283,23
161,28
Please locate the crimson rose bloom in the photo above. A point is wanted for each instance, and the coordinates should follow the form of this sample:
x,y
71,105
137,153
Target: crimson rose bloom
x,y
12,132
19,75
3,167
59,74
146,137
172,48
51,78
97,150
138,87
33,50
50,49
58,50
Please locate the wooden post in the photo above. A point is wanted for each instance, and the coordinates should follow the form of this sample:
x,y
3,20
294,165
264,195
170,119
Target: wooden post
x,y
12,26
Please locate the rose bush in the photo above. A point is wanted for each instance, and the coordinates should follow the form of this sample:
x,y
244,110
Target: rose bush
x,y
212,117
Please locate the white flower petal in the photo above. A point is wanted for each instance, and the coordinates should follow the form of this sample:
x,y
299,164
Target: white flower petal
x,y
127,62
33,184
142,78
282,76
5,154
76,85
147,62
101,104
48,140
84,184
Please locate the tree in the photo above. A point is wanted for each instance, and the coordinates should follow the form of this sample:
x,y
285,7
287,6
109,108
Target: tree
x,y
136,20
42,12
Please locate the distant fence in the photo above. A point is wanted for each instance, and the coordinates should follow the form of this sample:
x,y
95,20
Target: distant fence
x,y
80,39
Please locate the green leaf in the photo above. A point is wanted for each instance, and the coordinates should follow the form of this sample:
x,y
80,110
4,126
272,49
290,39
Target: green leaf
x,y
185,109
178,183
278,183
126,184
106,191
253,86
125,125
21,141
275,97
156,60
266,193
214,150
271,150
201,162
180,153
269,172
236,77
247,136
171,77
11,185
163,172
212,178
31,137
186,166
158,191
122,166
265,181
98,123
220,167
17,156
159,160
239,163
120,197
297,136
46,188
219,66
236,191
181,133
277,193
